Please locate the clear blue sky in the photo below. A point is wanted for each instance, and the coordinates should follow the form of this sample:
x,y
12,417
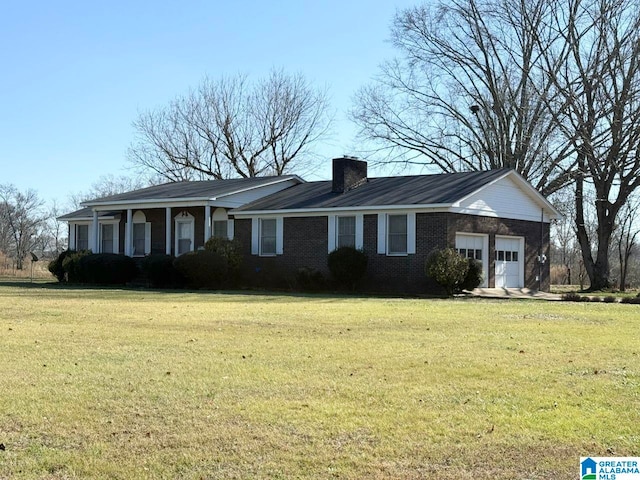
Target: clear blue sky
x,y
75,74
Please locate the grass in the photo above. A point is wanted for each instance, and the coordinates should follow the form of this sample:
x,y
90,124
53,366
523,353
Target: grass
x,y
130,384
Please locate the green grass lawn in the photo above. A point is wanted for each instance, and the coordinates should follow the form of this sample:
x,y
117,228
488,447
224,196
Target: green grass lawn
x,y
140,384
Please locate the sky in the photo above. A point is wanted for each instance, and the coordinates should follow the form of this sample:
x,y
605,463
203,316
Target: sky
x,y
75,75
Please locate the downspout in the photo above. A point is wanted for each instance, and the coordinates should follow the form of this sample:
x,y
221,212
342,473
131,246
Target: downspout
x,y
540,258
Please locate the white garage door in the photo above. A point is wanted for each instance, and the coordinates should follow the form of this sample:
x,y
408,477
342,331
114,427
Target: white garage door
x,y
509,262
474,246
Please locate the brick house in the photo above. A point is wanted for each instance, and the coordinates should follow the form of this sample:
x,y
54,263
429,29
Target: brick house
x,y
285,223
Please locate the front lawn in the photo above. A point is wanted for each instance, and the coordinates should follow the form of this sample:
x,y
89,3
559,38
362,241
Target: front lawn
x,y
141,384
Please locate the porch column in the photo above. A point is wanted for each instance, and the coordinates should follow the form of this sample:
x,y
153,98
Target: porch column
x,y
207,223
167,230
128,233
96,232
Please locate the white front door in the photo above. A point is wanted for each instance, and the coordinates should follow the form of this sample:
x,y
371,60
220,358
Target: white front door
x,y
509,262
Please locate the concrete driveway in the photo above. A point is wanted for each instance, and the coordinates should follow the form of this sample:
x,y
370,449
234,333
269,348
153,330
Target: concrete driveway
x,y
514,293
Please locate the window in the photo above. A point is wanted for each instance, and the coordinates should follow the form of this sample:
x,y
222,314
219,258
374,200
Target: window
x,y
475,254
397,234
267,236
82,237
507,255
139,238
346,232
107,238
220,229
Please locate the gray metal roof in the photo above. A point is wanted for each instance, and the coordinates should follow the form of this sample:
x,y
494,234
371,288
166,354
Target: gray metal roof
x,y
384,191
85,213
190,189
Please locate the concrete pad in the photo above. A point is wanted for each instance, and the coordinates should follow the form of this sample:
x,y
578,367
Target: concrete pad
x,y
523,293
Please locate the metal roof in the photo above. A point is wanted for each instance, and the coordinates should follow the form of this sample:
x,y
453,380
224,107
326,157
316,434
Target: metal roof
x,y
439,189
191,190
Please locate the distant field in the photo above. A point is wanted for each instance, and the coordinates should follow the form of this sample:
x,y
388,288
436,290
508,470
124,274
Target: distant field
x,y
130,384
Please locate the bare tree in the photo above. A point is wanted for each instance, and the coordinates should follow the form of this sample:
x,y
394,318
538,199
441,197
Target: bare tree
x,y
229,127
626,238
22,215
469,92
599,88
105,186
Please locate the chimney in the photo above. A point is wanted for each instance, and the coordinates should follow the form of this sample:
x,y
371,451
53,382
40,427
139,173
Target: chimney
x,y
348,173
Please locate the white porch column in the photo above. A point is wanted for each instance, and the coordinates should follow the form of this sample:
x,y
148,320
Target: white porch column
x,y
207,223
94,229
128,233
167,230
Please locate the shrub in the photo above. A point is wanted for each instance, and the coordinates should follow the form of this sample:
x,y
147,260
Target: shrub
x,y
231,251
347,266
160,272
448,268
107,269
56,268
571,297
202,269
474,278
609,299
310,280
632,300
71,266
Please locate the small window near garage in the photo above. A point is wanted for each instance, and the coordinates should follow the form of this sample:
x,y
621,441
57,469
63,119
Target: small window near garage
x,y
107,238
82,237
267,236
397,235
346,232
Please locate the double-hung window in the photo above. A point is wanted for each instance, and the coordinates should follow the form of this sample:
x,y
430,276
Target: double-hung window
x,y
82,237
397,235
267,236
107,238
220,229
346,232
139,241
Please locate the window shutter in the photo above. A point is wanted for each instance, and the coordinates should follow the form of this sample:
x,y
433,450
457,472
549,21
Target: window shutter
x,y
91,236
255,236
411,232
116,237
230,229
279,235
331,227
72,236
382,233
147,238
359,231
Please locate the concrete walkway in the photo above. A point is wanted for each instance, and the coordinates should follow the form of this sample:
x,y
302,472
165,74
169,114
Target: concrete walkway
x,y
514,293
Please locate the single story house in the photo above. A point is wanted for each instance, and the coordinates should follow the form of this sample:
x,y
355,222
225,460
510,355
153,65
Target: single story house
x,y
285,223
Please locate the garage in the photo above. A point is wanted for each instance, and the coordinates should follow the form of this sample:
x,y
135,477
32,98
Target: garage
x,y
509,262
474,246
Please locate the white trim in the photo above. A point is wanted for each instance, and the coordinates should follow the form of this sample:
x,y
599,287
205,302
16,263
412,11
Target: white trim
x,y
72,235
207,222
333,230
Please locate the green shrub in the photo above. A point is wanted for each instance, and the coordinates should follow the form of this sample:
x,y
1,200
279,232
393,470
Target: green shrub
x,y
347,266
473,278
632,300
202,269
56,265
107,269
310,280
609,299
231,251
447,268
71,266
160,272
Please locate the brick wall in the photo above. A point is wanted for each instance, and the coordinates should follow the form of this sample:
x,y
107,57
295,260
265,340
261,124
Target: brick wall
x,y
305,245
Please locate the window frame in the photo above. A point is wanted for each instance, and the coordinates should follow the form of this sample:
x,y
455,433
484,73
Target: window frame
x,y
261,237
398,253
184,218
339,235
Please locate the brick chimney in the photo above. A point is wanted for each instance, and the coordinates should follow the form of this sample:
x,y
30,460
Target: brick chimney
x,y
348,173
